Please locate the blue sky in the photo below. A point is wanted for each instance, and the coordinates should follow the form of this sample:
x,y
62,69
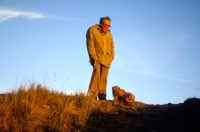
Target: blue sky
x,y
156,44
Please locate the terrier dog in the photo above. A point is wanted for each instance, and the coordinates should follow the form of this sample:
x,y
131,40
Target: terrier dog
x,y
121,95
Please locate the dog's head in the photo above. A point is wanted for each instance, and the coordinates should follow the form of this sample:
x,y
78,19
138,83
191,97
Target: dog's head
x,y
114,88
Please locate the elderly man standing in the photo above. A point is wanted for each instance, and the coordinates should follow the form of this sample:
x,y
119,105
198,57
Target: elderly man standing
x,y
100,47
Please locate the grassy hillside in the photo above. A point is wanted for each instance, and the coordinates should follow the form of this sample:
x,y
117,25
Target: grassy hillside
x,y
37,109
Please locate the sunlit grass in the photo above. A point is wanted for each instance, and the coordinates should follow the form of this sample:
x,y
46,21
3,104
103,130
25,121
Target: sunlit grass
x,y
35,108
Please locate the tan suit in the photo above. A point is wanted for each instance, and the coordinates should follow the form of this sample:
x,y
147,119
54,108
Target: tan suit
x,y
101,46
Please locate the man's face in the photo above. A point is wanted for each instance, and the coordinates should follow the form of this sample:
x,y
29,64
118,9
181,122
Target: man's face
x,y
105,26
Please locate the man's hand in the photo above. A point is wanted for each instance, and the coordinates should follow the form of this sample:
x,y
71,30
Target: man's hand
x,y
93,60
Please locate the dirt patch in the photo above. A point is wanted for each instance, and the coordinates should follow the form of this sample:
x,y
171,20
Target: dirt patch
x,y
140,117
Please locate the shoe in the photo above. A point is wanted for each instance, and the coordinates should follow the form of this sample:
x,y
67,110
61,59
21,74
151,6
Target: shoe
x,y
102,96
102,99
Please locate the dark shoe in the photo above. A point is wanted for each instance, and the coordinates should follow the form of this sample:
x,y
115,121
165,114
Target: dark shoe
x,y
102,96
103,99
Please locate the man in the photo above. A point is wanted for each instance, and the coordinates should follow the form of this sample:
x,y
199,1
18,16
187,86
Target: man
x,y
100,47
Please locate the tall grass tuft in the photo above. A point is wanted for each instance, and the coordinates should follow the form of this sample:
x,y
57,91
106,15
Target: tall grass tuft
x,y
35,108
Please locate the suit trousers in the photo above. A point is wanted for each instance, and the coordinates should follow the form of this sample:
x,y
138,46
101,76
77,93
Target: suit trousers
x,y
98,82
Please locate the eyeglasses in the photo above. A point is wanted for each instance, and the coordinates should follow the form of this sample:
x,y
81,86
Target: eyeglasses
x,y
106,25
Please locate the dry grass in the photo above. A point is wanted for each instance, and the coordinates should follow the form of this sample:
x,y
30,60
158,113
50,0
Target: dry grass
x,y
35,108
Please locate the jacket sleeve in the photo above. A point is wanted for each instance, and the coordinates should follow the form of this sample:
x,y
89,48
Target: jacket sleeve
x,y
112,48
90,43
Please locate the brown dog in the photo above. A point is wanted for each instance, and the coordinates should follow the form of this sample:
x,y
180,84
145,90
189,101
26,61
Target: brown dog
x,y
122,96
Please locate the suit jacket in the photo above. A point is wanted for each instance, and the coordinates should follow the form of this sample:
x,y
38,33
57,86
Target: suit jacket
x,y
100,45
